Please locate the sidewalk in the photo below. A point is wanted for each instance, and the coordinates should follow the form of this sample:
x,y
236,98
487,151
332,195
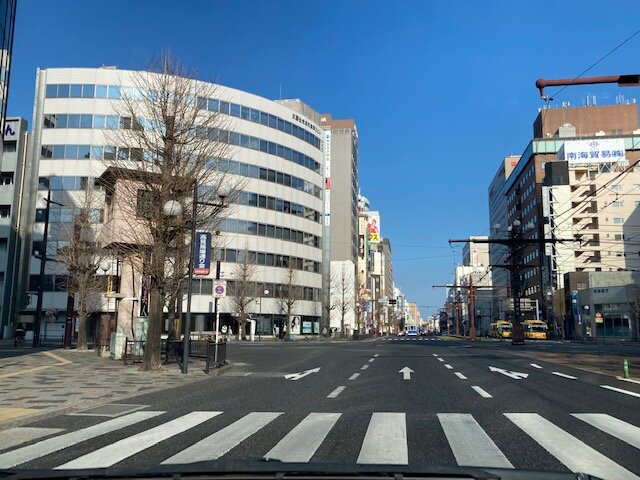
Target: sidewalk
x,y
39,383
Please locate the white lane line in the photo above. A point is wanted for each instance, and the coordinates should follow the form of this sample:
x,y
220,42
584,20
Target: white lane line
x,y
434,354
574,454
377,355
118,451
440,359
337,391
613,426
354,376
459,375
469,443
446,365
216,445
385,442
371,360
483,393
535,365
620,390
45,447
364,367
301,443
19,435
564,375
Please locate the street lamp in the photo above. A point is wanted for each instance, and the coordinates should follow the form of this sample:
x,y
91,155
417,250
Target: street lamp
x,y
223,190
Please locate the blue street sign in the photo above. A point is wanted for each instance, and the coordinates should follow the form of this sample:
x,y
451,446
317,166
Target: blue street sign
x,y
202,254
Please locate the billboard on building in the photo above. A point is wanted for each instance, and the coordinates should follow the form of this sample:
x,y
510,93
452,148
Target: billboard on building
x,y
373,227
594,150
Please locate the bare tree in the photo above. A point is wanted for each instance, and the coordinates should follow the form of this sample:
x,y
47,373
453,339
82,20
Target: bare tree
x,y
80,254
342,291
245,289
169,144
289,292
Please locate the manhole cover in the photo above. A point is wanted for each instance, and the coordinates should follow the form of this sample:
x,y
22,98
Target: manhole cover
x,y
111,410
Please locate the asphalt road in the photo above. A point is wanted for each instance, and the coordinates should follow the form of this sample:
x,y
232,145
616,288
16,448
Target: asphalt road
x,y
419,403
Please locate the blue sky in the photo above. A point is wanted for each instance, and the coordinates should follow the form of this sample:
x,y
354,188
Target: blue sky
x,y
440,90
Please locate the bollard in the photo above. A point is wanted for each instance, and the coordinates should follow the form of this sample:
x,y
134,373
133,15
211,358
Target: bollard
x,y
625,364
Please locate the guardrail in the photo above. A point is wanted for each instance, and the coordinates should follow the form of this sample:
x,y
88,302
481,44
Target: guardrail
x,y
216,355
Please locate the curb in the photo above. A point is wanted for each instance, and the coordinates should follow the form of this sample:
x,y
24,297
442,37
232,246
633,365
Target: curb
x,y
47,412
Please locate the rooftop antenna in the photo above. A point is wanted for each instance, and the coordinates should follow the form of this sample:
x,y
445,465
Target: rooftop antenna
x,y
280,90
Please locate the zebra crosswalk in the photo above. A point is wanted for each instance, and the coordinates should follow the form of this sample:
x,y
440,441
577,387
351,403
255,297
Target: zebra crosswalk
x,y
387,440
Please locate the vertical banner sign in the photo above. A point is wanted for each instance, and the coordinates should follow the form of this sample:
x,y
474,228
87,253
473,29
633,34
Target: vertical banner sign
x,y
202,253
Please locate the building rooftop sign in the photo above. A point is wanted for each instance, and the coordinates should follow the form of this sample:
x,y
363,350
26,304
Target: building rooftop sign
x,y
592,151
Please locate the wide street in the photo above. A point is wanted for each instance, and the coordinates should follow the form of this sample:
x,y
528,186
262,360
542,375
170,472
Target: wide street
x,y
409,401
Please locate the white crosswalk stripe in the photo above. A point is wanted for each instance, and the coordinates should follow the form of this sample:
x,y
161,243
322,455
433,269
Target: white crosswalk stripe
x,y
613,426
45,447
301,443
470,444
216,445
116,452
571,452
385,441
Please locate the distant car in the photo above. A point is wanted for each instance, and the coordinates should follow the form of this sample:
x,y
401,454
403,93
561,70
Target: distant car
x,y
412,333
401,333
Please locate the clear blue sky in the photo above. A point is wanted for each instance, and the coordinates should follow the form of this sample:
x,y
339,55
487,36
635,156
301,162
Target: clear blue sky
x,y
440,90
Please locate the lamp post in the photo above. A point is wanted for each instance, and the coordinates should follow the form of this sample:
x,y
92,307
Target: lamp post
x,y
265,293
173,208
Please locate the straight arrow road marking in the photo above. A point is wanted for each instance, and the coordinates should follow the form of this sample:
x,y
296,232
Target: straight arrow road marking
x,y
535,365
620,390
299,375
336,392
483,393
514,375
406,373
564,375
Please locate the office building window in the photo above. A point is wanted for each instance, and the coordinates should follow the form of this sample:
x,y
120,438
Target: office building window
x,y
5,211
3,244
618,220
6,178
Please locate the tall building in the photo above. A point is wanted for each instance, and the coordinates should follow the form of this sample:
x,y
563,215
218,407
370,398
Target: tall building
x,y
341,180
556,131
275,150
18,182
498,254
7,26
387,287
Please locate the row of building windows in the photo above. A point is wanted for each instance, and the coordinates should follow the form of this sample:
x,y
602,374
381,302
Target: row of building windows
x,y
232,255
274,176
276,290
246,227
234,138
278,204
116,92
87,120
66,215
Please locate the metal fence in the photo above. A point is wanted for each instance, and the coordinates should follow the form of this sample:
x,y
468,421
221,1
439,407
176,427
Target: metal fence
x,y
133,351
216,355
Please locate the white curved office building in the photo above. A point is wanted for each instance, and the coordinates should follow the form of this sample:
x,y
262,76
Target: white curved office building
x,y
277,150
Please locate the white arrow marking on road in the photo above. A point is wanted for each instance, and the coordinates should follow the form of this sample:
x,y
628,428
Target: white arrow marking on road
x,y
514,375
299,375
406,373
535,365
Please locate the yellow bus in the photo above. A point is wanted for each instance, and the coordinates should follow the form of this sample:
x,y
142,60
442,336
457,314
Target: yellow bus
x,y
501,329
535,329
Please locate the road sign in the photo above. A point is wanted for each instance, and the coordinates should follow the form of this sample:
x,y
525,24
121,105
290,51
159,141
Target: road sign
x,y
202,253
219,288
224,329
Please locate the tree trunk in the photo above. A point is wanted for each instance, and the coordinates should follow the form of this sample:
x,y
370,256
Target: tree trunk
x,y
82,318
152,360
